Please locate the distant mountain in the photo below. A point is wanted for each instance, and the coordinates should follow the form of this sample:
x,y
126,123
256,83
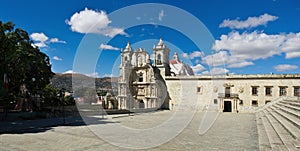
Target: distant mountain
x,y
80,81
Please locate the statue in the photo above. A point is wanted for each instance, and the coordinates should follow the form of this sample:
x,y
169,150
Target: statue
x,y
24,101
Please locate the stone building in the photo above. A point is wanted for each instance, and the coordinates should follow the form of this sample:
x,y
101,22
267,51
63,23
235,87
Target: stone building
x,y
141,84
173,85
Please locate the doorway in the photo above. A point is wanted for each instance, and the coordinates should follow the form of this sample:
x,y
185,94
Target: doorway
x,y
141,104
227,106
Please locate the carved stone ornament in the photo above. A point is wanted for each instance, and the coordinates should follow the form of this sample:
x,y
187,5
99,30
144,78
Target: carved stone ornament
x,y
228,85
241,89
215,89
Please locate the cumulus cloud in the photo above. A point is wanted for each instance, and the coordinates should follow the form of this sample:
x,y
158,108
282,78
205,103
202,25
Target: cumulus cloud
x,y
108,47
240,49
39,37
215,71
291,46
253,45
41,40
195,54
161,15
223,58
90,21
57,58
285,67
197,68
249,23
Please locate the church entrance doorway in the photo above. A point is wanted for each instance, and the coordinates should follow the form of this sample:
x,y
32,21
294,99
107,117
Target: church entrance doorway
x,y
141,104
227,106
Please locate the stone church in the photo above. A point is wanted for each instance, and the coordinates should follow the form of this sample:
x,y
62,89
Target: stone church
x,y
171,84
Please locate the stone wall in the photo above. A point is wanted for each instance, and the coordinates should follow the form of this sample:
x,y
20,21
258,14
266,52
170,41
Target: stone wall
x,y
197,92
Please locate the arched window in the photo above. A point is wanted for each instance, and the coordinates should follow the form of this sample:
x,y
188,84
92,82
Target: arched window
x,y
126,58
158,59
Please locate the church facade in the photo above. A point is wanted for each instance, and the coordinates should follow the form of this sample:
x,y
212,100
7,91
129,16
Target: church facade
x,y
171,84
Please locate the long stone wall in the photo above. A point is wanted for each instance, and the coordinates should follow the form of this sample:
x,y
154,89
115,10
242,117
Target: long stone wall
x,y
206,89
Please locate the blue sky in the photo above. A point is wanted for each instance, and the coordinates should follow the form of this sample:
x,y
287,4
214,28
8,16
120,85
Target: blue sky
x,y
247,37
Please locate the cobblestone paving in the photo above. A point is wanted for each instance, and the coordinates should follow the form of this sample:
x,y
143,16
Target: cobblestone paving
x,y
231,131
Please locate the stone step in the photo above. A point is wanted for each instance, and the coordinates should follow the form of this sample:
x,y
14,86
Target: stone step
x,y
291,128
288,110
263,140
294,103
287,115
293,107
284,135
273,137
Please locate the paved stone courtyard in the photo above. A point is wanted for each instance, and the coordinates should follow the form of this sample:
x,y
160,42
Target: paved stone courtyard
x,y
231,131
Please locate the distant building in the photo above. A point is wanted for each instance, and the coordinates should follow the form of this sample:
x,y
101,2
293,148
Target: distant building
x,y
173,85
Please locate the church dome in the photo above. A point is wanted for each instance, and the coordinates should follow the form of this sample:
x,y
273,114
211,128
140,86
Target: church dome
x,y
180,68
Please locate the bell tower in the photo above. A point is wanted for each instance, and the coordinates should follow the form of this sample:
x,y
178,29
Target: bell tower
x,y
161,58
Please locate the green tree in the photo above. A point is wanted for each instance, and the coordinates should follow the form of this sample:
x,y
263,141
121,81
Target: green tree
x,y
22,62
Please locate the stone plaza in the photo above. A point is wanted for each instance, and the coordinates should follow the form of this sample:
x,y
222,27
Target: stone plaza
x,y
231,131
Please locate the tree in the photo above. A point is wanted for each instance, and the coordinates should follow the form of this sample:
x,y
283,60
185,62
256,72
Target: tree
x,y
22,63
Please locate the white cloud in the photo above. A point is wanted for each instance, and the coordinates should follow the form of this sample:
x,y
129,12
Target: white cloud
x,y
285,67
239,50
252,46
223,58
292,45
249,23
69,71
56,40
94,75
240,64
109,75
185,55
39,37
40,44
41,40
197,68
108,47
90,21
216,71
57,58
216,59
161,15
195,54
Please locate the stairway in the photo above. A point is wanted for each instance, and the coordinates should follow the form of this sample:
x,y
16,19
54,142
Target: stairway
x,y
278,126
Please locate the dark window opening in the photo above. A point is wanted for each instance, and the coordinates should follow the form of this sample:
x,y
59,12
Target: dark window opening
x,y
254,103
269,91
141,79
158,59
215,101
254,90
241,102
296,91
227,92
268,101
198,89
282,91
